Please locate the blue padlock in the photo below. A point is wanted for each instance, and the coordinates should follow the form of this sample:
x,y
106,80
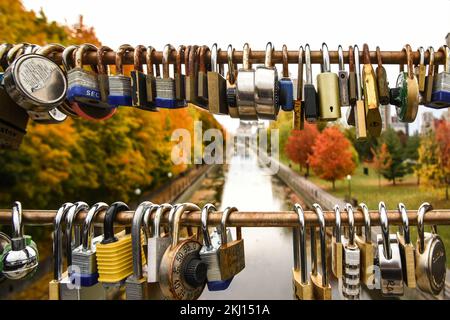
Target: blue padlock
x,y
120,84
440,97
165,86
286,94
83,85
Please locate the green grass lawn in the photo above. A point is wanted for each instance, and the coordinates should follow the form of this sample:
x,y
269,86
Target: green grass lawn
x,y
366,188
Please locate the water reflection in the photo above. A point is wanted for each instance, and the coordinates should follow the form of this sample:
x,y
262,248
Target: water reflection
x,y
268,251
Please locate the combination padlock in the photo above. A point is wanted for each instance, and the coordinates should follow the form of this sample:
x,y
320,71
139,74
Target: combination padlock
x,y
286,86
302,285
245,88
328,90
136,284
440,97
310,94
430,256
405,96
320,283
267,88
217,86
20,259
182,273
114,252
389,259
120,84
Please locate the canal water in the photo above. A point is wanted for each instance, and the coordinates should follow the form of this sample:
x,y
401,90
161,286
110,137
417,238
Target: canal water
x,y
268,251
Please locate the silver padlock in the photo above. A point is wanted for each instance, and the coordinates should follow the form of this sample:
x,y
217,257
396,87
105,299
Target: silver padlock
x,y
351,286
209,253
245,88
430,256
136,284
389,259
120,84
343,79
267,88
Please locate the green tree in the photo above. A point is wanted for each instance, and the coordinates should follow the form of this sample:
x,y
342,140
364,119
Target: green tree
x,y
397,169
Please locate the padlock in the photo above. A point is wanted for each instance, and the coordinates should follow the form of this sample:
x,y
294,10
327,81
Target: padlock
x,y
430,256
343,79
309,91
266,88
320,283
382,81
5,241
35,82
352,87
21,259
202,87
191,82
245,88
286,86
165,86
367,250
359,109
440,97
406,249
351,286
4,49
336,245
328,90
182,273
217,86
73,232
136,284
209,254
68,61
405,95
420,70
120,84
16,51
389,258
114,252
54,286
373,116
302,285
151,80
429,79
103,74
231,84
83,84
180,78
139,82
84,261
299,105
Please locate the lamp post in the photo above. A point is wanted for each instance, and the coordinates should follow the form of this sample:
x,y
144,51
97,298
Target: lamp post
x,y
349,179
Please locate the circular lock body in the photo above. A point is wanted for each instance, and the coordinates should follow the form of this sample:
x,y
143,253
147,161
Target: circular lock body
x,y
35,82
5,241
406,97
20,264
182,273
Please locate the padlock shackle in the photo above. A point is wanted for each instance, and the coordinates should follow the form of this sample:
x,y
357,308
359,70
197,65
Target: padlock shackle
x,y
49,49
162,209
325,58
409,61
301,245
119,57
67,57
308,65
378,54
285,58
70,218
180,52
424,208
231,69
16,51
323,253
431,64
168,48
300,74
405,223
214,65
384,224
202,57
246,52
108,222
57,240
351,224
446,51
223,225
136,247
88,226
367,226
191,70
148,227
341,58
16,220
366,54
101,66
358,73
337,223
207,209
180,209
81,51
149,60
421,51
139,50
4,49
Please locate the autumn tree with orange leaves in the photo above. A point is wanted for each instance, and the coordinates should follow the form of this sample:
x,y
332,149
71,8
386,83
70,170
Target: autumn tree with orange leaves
x,y
299,145
331,157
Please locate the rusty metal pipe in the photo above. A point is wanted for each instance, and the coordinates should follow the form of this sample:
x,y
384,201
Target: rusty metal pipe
x,y
243,219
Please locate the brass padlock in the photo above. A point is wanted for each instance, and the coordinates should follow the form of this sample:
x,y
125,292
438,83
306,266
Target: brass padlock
x,y
406,249
367,250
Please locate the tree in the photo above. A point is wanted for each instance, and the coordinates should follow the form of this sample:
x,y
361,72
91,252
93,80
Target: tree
x,y
443,142
299,145
364,147
382,161
397,169
428,166
331,158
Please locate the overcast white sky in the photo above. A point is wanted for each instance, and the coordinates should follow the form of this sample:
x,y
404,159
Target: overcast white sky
x,y
387,23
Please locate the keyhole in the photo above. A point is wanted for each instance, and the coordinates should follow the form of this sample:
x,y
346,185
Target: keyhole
x,y
331,108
